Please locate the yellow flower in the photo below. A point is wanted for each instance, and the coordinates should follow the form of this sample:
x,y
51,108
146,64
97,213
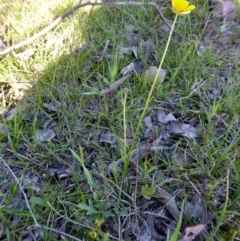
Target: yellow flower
x,y
92,235
98,223
182,7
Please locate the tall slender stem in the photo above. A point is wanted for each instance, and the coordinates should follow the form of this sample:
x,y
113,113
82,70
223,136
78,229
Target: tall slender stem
x,y
154,83
126,160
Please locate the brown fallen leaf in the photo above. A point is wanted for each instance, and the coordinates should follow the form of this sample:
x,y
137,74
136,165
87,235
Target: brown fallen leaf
x,y
44,135
165,28
225,10
223,39
51,106
138,64
129,69
151,73
192,232
10,114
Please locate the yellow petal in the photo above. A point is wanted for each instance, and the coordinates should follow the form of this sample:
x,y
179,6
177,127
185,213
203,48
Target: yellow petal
x,y
187,10
190,8
182,7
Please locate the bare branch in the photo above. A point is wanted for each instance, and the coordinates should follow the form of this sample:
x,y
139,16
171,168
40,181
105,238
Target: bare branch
x,y
104,51
71,11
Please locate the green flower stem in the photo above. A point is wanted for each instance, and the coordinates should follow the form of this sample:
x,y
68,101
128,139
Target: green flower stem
x,y
126,160
154,83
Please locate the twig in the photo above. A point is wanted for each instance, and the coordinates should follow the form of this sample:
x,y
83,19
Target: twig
x,y
104,51
71,11
114,85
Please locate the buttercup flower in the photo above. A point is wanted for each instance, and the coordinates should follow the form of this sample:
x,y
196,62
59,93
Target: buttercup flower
x,y
98,223
182,7
92,235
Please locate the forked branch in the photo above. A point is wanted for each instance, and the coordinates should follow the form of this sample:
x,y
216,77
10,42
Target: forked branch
x,y
71,11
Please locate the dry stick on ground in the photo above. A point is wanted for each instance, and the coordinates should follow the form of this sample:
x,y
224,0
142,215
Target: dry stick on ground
x,y
114,85
104,51
71,11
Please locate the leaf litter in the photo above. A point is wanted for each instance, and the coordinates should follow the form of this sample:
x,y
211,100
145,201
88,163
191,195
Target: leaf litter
x,y
192,232
135,66
166,125
162,122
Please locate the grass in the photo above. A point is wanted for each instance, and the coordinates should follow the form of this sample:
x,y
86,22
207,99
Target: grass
x,y
67,180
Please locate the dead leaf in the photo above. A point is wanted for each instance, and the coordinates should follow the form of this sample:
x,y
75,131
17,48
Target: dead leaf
x,y
166,28
170,117
183,156
225,10
127,70
223,40
148,132
192,232
163,118
129,50
129,28
43,135
151,73
194,210
133,36
4,129
10,114
176,127
108,137
148,121
186,130
151,227
32,182
138,64
60,172
51,106
189,131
